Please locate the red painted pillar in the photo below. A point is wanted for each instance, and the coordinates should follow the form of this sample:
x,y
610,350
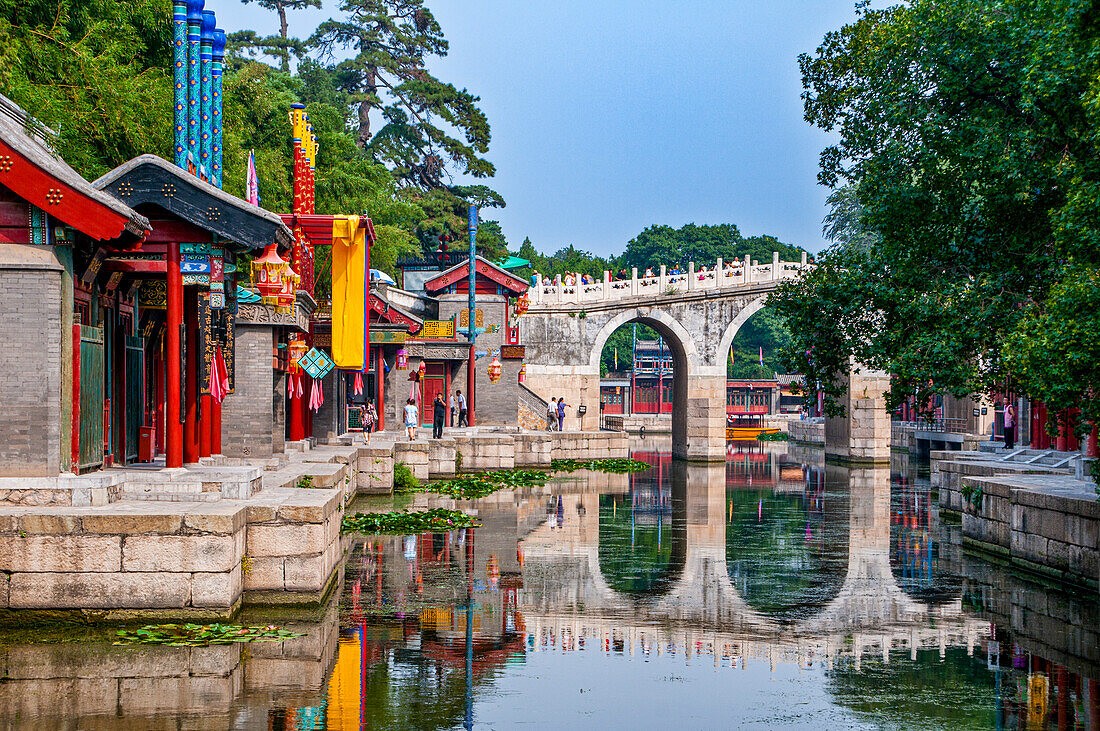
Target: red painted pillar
x,y
296,411
174,322
1060,442
470,373
1091,449
205,423
215,427
1036,410
191,391
380,387
447,391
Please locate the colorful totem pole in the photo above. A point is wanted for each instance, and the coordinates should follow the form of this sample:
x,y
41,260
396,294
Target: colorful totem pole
x,y
206,107
194,40
218,58
179,57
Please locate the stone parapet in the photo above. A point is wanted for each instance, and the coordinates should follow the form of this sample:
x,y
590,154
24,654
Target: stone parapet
x,y
415,455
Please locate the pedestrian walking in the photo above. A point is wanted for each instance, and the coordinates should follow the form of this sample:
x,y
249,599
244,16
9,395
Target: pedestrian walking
x,y
412,418
370,417
439,413
451,401
1010,425
561,413
462,420
552,414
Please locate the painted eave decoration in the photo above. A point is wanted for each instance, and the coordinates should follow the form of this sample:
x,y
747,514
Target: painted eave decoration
x,y
484,268
150,179
34,173
394,314
318,227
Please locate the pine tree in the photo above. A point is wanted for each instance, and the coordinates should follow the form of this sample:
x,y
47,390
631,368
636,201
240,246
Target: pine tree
x,y
278,46
392,40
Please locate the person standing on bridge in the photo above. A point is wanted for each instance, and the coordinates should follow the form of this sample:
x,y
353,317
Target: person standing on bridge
x,y
551,414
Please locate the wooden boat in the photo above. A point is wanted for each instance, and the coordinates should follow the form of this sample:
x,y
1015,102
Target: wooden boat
x,y
747,427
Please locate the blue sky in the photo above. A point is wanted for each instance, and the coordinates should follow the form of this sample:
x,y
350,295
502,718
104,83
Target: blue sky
x,y
612,115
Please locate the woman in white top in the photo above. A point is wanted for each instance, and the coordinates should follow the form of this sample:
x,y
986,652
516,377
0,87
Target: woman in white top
x,y
412,419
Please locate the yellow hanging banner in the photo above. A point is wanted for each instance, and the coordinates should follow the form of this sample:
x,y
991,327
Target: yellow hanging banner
x,y
349,291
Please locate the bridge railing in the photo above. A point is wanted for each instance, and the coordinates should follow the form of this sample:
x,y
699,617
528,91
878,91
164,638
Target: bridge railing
x,y
720,276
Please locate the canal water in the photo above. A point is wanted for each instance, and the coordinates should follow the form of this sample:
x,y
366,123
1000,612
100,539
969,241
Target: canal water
x,y
769,591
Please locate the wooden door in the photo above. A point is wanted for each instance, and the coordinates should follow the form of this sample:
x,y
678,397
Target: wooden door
x,y
90,449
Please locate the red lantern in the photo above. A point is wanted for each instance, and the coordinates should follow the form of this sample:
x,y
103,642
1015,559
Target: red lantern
x,y
402,360
422,368
522,304
288,291
267,271
494,371
523,373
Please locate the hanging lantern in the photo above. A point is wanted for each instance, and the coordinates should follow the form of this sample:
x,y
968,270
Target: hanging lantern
x,y
422,369
494,371
268,270
402,360
287,293
522,304
523,373
296,348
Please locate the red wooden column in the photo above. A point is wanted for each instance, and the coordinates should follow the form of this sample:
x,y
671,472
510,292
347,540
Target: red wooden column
x,y
191,421
1092,449
1036,425
380,387
205,423
296,412
1060,443
447,392
215,427
174,319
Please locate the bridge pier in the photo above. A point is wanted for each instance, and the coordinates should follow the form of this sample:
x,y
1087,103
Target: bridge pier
x,y
862,435
701,436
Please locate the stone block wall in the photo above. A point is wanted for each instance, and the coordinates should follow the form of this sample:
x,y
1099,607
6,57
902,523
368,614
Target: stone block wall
x,y
30,382
375,470
1057,531
414,455
807,431
486,452
441,457
533,449
293,546
252,416
184,561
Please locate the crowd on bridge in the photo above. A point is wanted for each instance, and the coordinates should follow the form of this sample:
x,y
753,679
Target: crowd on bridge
x,y
622,278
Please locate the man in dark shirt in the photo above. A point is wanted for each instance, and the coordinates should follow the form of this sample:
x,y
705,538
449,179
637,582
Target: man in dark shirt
x,y
438,415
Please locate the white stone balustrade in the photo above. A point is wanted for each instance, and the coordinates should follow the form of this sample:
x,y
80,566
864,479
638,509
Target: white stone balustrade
x,y
722,275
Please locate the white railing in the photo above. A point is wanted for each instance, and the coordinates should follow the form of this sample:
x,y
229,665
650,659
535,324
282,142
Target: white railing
x,y
720,276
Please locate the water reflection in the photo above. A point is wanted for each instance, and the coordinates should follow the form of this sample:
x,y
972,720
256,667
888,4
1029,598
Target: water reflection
x,y
835,597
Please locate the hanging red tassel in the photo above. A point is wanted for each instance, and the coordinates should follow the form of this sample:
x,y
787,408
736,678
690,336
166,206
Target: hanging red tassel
x,y
357,388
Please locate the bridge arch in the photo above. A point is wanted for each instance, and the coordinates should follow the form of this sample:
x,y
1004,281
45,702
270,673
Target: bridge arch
x,y
685,360
751,308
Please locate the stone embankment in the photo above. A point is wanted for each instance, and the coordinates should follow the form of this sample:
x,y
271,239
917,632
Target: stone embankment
x,y
199,542
807,431
1037,516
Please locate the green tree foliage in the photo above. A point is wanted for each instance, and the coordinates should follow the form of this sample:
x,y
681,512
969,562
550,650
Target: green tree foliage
x,y
392,41
765,331
658,245
618,351
98,72
967,134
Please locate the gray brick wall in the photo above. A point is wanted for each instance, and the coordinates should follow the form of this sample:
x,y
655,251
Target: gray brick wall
x,y
30,381
253,415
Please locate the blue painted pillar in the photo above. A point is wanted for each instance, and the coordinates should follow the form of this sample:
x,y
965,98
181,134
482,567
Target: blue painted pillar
x,y
216,102
179,77
206,58
194,36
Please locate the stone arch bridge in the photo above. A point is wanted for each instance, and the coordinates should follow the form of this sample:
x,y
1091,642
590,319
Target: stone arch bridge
x,y
698,313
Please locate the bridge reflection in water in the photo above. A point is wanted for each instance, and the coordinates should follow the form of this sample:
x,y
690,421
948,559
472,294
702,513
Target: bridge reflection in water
x,y
762,562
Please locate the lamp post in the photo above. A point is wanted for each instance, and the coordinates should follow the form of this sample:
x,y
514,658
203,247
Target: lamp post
x,y
470,368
